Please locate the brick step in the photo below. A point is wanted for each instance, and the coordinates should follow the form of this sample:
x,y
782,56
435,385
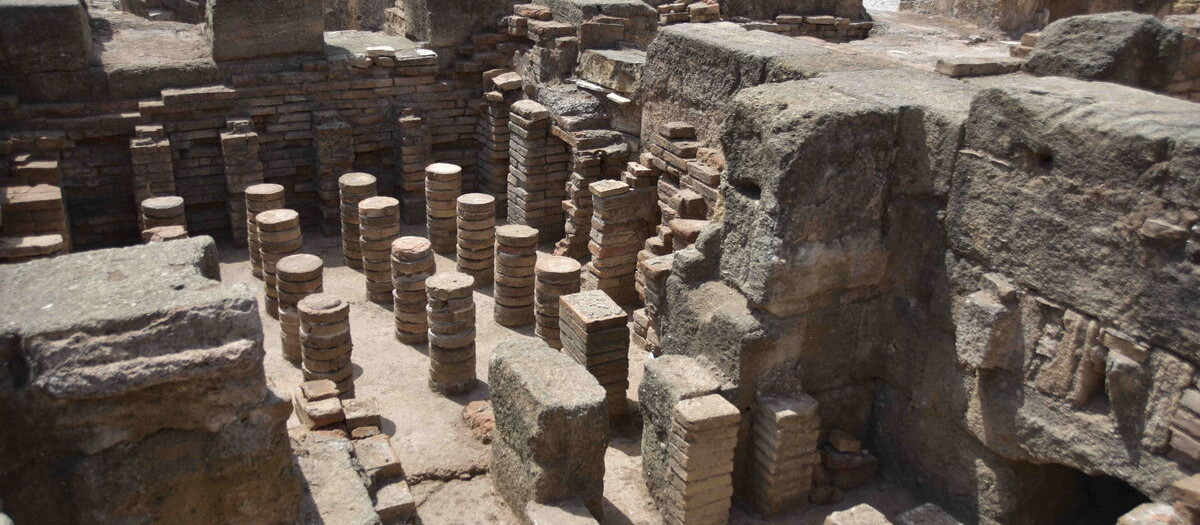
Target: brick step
x,y
33,173
27,198
18,249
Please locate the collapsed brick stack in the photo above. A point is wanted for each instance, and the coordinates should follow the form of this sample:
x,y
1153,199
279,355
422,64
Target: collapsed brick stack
x,y
378,225
616,238
643,182
335,156
325,341
537,170
700,450
443,186
586,168
477,236
259,198
412,264
669,151
239,152
411,157
827,27
278,237
451,312
556,277
594,332
354,188
651,286
516,255
786,434
153,171
701,12
296,277
158,212
673,13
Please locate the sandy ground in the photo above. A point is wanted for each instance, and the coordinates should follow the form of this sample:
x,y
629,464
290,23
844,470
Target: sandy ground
x,y
444,464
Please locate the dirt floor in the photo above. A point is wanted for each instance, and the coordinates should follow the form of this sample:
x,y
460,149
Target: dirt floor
x,y
445,465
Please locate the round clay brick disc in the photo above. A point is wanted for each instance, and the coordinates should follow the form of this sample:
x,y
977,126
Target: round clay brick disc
x,y
301,267
277,220
442,170
264,192
449,285
516,235
163,206
476,202
357,182
378,206
321,303
558,266
411,248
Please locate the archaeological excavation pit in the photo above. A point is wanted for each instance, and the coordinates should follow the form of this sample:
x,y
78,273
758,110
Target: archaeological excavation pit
x,y
635,262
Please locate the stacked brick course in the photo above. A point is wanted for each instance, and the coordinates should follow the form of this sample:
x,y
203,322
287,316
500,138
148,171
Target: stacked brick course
x,y
451,312
412,156
325,341
594,333
786,432
259,198
296,277
335,157
516,255
355,188
832,28
379,224
412,264
150,152
701,446
239,153
278,237
556,277
651,283
477,237
443,186
537,171
616,238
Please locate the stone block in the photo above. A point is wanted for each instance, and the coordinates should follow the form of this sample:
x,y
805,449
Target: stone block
x,y
247,29
616,69
142,372
569,512
551,427
449,22
862,514
927,514
44,35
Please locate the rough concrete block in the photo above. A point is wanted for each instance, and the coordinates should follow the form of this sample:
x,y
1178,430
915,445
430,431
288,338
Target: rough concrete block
x,y
859,515
616,69
44,35
245,29
551,427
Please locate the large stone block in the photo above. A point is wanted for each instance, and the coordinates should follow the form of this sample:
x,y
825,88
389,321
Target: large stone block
x,y
132,390
44,35
1126,48
616,69
449,22
551,427
246,29
1033,159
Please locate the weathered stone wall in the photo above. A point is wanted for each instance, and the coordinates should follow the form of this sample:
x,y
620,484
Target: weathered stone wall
x,y
1015,17
862,210
136,393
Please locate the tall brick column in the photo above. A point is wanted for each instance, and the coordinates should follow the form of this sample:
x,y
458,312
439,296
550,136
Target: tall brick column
x,y
239,153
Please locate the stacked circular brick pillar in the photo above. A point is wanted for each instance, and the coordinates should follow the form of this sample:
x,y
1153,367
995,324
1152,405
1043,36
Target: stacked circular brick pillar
x,y
443,185
412,264
516,255
477,236
163,217
296,277
278,237
556,277
354,187
325,341
451,311
259,198
379,224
